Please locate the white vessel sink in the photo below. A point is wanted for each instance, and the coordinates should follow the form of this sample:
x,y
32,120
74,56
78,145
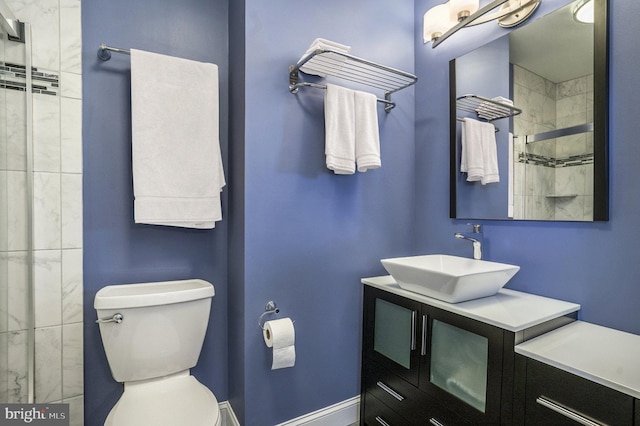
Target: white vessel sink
x,y
452,279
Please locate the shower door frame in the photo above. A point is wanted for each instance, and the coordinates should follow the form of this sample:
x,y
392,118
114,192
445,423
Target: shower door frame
x,y
21,32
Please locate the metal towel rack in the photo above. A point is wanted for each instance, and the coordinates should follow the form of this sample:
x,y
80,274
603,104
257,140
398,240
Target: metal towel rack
x,y
348,67
485,108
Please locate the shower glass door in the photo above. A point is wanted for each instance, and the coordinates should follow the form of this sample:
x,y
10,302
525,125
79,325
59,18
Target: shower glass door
x,y
16,317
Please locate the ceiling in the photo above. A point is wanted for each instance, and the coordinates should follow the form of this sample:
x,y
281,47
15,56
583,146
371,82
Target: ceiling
x,y
555,46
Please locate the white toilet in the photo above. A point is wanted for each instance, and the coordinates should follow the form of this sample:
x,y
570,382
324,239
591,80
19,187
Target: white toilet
x,y
152,334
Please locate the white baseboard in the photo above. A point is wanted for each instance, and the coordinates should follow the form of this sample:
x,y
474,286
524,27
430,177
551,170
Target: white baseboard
x,y
344,413
227,415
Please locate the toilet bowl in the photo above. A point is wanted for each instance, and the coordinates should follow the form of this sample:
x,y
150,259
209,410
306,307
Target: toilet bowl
x,y
152,334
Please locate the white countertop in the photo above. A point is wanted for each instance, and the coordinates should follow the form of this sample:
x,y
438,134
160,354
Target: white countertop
x,y
600,354
508,309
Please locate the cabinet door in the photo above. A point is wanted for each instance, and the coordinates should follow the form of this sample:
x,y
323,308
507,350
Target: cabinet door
x,y
390,331
462,364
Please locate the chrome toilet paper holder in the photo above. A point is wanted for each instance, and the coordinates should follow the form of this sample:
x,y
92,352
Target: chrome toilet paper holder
x,y
270,308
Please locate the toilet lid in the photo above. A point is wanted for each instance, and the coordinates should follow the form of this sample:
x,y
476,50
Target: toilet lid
x,y
169,402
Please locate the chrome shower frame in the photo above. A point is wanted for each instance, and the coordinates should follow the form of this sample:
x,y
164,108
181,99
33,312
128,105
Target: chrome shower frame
x,y
10,23
21,32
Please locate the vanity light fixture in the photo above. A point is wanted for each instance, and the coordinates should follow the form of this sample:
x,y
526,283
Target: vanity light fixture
x,y
437,21
440,21
583,12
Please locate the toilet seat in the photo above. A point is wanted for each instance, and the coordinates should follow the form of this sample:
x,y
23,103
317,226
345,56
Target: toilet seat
x,y
179,399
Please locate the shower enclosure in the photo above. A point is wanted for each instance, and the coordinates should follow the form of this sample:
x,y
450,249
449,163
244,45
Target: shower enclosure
x,y
41,318
17,332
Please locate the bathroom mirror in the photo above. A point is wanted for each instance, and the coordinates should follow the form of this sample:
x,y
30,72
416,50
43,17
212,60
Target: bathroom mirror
x,y
551,148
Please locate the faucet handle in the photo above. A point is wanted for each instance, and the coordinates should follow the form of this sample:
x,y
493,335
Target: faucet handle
x,y
477,228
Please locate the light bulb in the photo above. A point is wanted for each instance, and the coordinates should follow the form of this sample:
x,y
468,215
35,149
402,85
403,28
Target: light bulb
x,y
436,22
461,9
583,12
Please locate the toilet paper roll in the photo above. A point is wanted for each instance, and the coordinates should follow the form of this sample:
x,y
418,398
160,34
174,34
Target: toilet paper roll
x,y
281,336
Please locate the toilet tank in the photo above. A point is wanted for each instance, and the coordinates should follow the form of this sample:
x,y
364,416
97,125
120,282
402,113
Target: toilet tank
x,y
162,329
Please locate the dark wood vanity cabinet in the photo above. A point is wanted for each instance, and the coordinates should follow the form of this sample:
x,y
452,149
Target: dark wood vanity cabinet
x,y
510,359
422,365
546,395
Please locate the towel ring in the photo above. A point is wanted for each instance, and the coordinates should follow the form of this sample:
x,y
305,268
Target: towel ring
x,y
270,308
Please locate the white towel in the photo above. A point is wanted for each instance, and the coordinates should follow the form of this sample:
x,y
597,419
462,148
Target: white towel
x,y
479,156
340,136
367,134
329,61
351,130
323,43
177,166
488,110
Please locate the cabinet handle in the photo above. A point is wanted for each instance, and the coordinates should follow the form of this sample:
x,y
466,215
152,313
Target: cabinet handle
x,y
434,422
390,391
381,421
414,314
423,343
545,402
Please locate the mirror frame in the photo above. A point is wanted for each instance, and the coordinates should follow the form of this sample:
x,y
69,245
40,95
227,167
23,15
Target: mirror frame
x,y
600,123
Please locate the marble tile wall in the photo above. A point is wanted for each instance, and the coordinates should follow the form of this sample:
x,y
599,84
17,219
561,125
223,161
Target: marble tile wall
x,y
554,178
533,180
57,210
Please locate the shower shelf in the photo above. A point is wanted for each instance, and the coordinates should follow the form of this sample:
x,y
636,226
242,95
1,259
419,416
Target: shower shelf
x,y
331,63
485,108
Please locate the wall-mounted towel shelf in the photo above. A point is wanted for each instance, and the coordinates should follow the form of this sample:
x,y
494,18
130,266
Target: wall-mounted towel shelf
x,y
485,108
348,67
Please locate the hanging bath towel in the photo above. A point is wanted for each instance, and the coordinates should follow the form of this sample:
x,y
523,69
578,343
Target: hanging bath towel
x,y
479,158
177,166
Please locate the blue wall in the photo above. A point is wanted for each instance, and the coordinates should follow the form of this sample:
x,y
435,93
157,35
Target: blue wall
x,y
297,234
309,236
116,250
594,264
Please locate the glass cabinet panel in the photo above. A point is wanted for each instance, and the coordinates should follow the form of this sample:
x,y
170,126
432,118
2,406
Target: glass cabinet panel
x,y
392,332
459,363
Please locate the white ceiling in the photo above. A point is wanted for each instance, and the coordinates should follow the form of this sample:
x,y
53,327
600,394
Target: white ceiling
x,y
555,46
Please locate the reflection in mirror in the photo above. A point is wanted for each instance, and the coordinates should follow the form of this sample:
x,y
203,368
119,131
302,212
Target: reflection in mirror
x,y
550,149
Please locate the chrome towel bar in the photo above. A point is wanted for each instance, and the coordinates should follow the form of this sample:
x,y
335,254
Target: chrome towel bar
x,y
104,51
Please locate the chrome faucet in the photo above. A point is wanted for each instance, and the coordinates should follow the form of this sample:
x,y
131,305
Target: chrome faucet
x,y
477,245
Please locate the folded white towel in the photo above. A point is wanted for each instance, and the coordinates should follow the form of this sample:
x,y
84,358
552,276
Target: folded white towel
x,y
471,161
323,43
490,156
351,130
479,156
328,61
367,134
340,136
488,110
177,166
